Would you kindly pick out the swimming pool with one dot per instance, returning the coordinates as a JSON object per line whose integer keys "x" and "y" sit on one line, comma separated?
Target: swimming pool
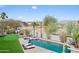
{"x": 50, "y": 45}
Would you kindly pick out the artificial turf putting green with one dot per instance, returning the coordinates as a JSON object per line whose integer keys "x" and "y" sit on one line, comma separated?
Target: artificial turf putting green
{"x": 10, "y": 44}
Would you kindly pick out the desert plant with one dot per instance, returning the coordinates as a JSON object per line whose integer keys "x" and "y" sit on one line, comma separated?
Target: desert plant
{"x": 50, "y": 25}
{"x": 75, "y": 35}
{"x": 27, "y": 32}
{"x": 69, "y": 27}
{"x": 76, "y": 39}
{"x": 12, "y": 31}
{"x": 63, "y": 35}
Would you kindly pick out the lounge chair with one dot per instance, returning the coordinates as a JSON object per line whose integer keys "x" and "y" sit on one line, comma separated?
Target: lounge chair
{"x": 28, "y": 46}
{"x": 26, "y": 38}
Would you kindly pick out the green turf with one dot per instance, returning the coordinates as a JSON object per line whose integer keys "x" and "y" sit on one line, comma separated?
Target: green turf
{"x": 10, "y": 44}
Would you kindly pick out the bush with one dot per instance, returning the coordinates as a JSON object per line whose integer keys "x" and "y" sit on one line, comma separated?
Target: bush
{"x": 11, "y": 32}
{"x": 27, "y": 32}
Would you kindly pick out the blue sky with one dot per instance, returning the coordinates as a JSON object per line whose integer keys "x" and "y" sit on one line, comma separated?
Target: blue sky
{"x": 38, "y": 12}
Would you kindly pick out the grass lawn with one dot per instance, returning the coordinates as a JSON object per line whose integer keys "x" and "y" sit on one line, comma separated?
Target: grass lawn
{"x": 10, "y": 44}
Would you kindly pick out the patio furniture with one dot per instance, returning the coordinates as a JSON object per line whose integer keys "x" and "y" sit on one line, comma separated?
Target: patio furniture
{"x": 28, "y": 46}
{"x": 26, "y": 38}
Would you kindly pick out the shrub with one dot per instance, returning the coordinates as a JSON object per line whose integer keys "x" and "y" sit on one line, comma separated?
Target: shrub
{"x": 27, "y": 32}
{"x": 11, "y": 32}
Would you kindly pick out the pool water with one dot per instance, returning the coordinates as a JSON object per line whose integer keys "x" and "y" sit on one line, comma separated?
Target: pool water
{"x": 50, "y": 45}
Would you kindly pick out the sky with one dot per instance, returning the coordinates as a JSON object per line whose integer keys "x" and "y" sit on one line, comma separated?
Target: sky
{"x": 38, "y": 12}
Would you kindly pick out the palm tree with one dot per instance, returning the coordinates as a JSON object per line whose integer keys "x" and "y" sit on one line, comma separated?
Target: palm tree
{"x": 41, "y": 24}
{"x": 34, "y": 24}
{"x": 3, "y": 16}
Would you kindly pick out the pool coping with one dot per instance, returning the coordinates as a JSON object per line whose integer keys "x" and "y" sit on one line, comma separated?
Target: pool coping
{"x": 70, "y": 47}
{"x": 36, "y": 48}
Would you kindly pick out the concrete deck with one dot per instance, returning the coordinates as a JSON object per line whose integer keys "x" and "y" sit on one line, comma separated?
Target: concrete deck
{"x": 37, "y": 49}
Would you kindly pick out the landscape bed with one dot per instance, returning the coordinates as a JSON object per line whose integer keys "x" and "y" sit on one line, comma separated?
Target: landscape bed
{"x": 10, "y": 44}
{"x": 50, "y": 45}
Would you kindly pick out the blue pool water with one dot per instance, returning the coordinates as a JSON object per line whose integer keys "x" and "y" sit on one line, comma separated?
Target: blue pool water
{"x": 50, "y": 45}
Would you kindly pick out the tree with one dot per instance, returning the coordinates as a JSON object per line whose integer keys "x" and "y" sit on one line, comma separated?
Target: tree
{"x": 34, "y": 24}
{"x": 3, "y": 16}
{"x": 27, "y": 32}
{"x": 41, "y": 24}
{"x": 51, "y": 29}
{"x": 49, "y": 19}
{"x": 12, "y": 23}
{"x": 75, "y": 35}
{"x": 63, "y": 35}
{"x": 69, "y": 27}
{"x": 50, "y": 24}
{"x": 76, "y": 39}
{"x": 63, "y": 38}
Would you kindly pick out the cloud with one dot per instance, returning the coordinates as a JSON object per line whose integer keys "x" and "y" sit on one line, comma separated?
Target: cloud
{"x": 19, "y": 17}
{"x": 34, "y": 7}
